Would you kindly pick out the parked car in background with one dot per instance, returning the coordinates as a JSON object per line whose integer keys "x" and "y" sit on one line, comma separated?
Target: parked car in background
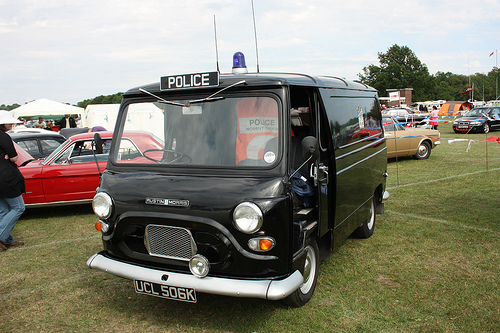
{"x": 24, "y": 129}
{"x": 70, "y": 174}
{"x": 38, "y": 144}
{"x": 408, "y": 141}
{"x": 483, "y": 120}
{"x": 405, "y": 115}
{"x": 396, "y": 112}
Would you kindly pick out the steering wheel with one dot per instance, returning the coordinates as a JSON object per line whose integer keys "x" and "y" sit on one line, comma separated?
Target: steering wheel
{"x": 177, "y": 156}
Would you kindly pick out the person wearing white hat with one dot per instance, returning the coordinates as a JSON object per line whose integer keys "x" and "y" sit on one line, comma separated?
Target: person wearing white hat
{"x": 11, "y": 184}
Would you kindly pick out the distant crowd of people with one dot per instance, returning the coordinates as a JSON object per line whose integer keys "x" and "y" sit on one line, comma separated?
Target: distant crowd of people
{"x": 66, "y": 122}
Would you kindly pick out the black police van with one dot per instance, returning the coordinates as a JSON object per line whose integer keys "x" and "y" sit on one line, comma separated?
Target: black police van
{"x": 237, "y": 184}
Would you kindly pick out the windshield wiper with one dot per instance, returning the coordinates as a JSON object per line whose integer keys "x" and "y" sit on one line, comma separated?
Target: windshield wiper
{"x": 206, "y": 99}
{"x": 212, "y": 98}
{"x": 161, "y": 99}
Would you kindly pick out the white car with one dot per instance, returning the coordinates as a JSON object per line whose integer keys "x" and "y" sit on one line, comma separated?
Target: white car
{"x": 396, "y": 112}
{"x": 24, "y": 129}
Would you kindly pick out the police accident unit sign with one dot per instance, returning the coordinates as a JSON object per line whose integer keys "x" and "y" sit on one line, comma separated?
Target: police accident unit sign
{"x": 196, "y": 80}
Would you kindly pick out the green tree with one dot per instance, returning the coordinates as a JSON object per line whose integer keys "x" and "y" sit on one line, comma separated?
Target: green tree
{"x": 489, "y": 84}
{"x": 9, "y": 107}
{"x": 449, "y": 86}
{"x": 399, "y": 68}
{"x": 109, "y": 99}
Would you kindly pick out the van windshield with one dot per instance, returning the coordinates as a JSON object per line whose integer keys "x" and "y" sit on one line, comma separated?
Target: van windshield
{"x": 229, "y": 132}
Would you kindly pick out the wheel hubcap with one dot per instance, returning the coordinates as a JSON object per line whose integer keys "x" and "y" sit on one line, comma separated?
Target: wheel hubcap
{"x": 422, "y": 150}
{"x": 309, "y": 270}
{"x": 372, "y": 217}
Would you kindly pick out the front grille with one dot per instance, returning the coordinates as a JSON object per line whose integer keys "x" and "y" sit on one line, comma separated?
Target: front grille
{"x": 169, "y": 242}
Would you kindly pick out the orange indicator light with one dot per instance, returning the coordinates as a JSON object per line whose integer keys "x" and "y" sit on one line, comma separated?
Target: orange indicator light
{"x": 265, "y": 244}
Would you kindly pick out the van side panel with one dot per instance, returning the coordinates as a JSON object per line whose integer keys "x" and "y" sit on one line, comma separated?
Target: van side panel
{"x": 355, "y": 125}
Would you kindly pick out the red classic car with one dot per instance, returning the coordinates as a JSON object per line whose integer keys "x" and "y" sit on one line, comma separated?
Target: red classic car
{"x": 70, "y": 174}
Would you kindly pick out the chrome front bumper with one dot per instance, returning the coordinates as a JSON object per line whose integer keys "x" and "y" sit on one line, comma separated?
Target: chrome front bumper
{"x": 266, "y": 289}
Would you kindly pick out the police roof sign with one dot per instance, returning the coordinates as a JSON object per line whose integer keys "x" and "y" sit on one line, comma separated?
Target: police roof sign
{"x": 195, "y": 80}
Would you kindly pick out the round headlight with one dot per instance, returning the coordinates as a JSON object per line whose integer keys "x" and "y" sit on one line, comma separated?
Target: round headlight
{"x": 102, "y": 205}
{"x": 199, "y": 265}
{"x": 247, "y": 217}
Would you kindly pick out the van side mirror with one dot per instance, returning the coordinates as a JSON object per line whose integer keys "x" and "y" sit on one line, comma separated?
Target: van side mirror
{"x": 310, "y": 148}
{"x": 98, "y": 143}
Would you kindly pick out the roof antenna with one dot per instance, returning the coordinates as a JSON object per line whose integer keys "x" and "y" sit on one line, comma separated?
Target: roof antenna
{"x": 255, "y": 34}
{"x": 216, "y": 50}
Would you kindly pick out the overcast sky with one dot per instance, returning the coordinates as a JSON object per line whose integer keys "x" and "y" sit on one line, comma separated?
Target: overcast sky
{"x": 71, "y": 50}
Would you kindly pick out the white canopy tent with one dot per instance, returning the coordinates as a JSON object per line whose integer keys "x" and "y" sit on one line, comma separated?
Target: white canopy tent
{"x": 44, "y": 108}
{"x": 141, "y": 117}
{"x": 100, "y": 115}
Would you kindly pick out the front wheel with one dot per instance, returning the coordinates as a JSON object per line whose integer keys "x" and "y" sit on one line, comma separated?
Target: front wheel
{"x": 423, "y": 151}
{"x": 310, "y": 274}
{"x": 486, "y": 128}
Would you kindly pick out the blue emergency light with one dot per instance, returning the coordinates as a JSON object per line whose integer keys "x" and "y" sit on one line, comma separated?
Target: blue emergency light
{"x": 239, "y": 65}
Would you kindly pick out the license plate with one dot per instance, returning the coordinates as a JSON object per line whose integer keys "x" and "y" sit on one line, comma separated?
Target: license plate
{"x": 164, "y": 291}
{"x": 463, "y": 126}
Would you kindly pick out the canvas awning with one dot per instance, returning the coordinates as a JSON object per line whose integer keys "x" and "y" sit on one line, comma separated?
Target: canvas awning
{"x": 45, "y": 107}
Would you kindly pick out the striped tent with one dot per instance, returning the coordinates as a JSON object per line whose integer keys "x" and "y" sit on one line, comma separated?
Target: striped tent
{"x": 453, "y": 108}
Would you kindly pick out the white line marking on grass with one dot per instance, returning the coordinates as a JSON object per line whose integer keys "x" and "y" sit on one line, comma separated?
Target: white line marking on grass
{"x": 64, "y": 241}
{"x": 409, "y": 215}
{"x": 441, "y": 179}
{"x": 47, "y": 286}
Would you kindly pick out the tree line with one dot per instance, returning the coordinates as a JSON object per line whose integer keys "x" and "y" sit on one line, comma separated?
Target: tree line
{"x": 108, "y": 99}
{"x": 400, "y": 68}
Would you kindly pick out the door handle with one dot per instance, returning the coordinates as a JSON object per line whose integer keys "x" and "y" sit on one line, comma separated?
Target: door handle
{"x": 324, "y": 169}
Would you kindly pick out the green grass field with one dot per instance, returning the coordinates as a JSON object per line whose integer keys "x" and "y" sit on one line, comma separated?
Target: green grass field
{"x": 433, "y": 265}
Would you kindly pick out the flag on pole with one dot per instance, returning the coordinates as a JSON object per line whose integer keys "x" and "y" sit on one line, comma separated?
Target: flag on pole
{"x": 471, "y": 88}
{"x": 491, "y": 53}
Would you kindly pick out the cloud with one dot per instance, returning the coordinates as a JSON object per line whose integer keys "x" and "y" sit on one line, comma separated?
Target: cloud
{"x": 74, "y": 50}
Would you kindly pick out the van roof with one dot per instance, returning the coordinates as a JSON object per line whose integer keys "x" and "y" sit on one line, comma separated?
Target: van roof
{"x": 271, "y": 79}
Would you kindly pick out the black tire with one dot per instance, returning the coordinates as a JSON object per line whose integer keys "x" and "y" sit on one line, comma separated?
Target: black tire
{"x": 366, "y": 229}
{"x": 310, "y": 273}
{"x": 423, "y": 151}
{"x": 486, "y": 127}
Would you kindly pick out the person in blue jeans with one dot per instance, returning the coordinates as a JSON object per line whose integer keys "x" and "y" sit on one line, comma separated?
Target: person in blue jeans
{"x": 11, "y": 184}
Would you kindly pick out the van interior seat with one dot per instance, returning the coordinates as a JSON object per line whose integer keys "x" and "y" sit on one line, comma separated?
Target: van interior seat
{"x": 299, "y": 133}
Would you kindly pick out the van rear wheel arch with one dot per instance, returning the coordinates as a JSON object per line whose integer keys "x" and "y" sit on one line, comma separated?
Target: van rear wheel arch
{"x": 366, "y": 229}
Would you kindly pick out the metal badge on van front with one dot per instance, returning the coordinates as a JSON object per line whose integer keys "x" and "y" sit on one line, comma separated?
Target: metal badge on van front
{"x": 167, "y": 202}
